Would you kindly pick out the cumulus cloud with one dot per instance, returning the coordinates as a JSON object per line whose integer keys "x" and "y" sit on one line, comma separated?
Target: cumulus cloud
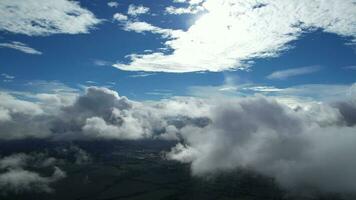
{"x": 43, "y": 17}
{"x": 232, "y": 32}
{"x": 135, "y": 10}
{"x": 20, "y": 47}
{"x": 15, "y": 178}
{"x": 120, "y": 17}
{"x": 284, "y": 74}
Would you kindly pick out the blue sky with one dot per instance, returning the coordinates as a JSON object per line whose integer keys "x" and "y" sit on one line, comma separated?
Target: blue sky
{"x": 82, "y": 59}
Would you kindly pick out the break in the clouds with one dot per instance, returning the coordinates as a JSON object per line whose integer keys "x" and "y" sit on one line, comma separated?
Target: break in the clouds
{"x": 45, "y": 17}
{"x": 20, "y": 47}
{"x": 231, "y": 32}
{"x": 307, "y": 145}
{"x": 284, "y": 74}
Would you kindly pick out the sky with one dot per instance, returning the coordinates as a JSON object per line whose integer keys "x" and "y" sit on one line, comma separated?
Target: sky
{"x": 268, "y": 85}
{"x": 156, "y": 49}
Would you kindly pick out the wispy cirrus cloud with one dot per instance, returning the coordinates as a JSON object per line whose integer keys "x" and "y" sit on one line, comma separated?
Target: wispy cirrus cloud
{"x": 350, "y": 67}
{"x": 284, "y": 74}
{"x": 232, "y": 32}
{"x": 7, "y": 76}
{"x": 44, "y": 17}
{"x": 20, "y": 47}
{"x": 141, "y": 74}
{"x": 99, "y": 62}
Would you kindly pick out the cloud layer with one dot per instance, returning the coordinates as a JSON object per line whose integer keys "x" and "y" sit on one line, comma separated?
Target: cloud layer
{"x": 306, "y": 145}
{"x": 231, "y": 32}
{"x": 45, "y": 17}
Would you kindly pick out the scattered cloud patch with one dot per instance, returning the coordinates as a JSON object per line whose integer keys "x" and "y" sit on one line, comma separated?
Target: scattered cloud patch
{"x": 136, "y": 10}
{"x": 7, "y": 76}
{"x": 183, "y": 10}
{"x": 284, "y": 74}
{"x": 20, "y": 47}
{"x": 191, "y": 2}
{"x": 45, "y": 17}
{"x": 120, "y": 17}
{"x": 142, "y": 27}
{"x": 113, "y": 4}
{"x": 16, "y": 178}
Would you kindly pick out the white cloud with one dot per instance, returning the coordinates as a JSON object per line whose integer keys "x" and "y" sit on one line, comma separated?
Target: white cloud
{"x": 301, "y": 148}
{"x": 284, "y": 74}
{"x": 232, "y": 32}
{"x": 20, "y": 46}
{"x": 135, "y": 10}
{"x": 45, "y": 17}
{"x": 113, "y": 4}
{"x": 120, "y": 17}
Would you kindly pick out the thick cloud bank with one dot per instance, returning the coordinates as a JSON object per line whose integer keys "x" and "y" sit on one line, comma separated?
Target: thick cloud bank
{"x": 301, "y": 149}
{"x": 307, "y": 145}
